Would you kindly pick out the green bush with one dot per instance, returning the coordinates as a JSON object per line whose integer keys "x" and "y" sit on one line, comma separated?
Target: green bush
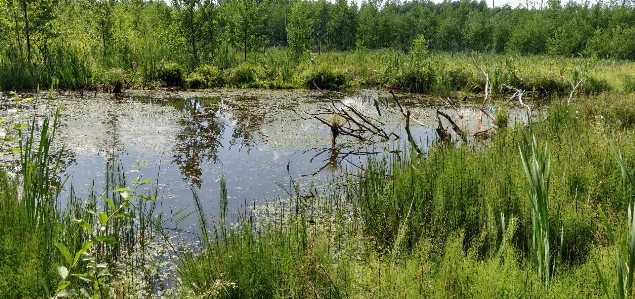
{"x": 594, "y": 86}
{"x": 456, "y": 80}
{"x": 213, "y": 76}
{"x": 241, "y": 75}
{"x": 171, "y": 75}
{"x": 196, "y": 80}
{"x": 628, "y": 83}
{"x": 325, "y": 78}
{"x": 416, "y": 79}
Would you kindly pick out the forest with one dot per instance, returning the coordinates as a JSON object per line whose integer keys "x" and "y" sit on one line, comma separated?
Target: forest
{"x": 87, "y": 43}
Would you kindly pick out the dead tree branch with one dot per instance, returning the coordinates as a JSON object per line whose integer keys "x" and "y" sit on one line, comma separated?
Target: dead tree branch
{"x": 449, "y": 102}
{"x": 573, "y": 88}
{"x": 455, "y": 127}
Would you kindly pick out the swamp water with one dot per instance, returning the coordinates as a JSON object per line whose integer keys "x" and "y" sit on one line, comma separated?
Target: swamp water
{"x": 259, "y": 140}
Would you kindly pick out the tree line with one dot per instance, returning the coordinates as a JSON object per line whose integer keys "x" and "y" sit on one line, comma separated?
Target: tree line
{"x": 132, "y": 34}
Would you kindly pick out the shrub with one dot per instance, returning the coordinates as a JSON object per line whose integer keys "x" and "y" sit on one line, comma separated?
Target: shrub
{"x": 594, "y": 86}
{"x": 196, "y": 80}
{"x": 243, "y": 74}
{"x": 416, "y": 79}
{"x": 628, "y": 83}
{"x": 171, "y": 75}
{"x": 456, "y": 80}
{"x": 325, "y": 78}
{"x": 625, "y": 113}
{"x": 213, "y": 76}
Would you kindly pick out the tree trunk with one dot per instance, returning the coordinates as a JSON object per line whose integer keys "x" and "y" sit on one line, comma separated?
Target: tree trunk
{"x": 103, "y": 36}
{"x": 245, "y": 45}
{"x": 193, "y": 37}
{"x": 17, "y": 34}
{"x": 26, "y": 31}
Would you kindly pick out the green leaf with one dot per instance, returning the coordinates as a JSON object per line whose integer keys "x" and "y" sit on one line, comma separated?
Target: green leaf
{"x": 79, "y": 253}
{"x": 13, "y": 150}
{"x": 86, "y": 226}
{"x": 103, "y": 218}
{"x": 123, "y": 214}
{"x": 110, "y": 240}
{"x": 125, "y": 195}
{"x": 64, "y": 251}
{"x": 602, "y": 281}
{"x": 27, "y": 100}
{"x": 148, "y": 197}
{"x": 19, "y": 127}
{"x": 63, "y": 271}
{"x": 606, "y": 223}
{"x": 85, "y": 277}
{"x": 122, "y": 189}
{"x": 63, "y": 284}
{"x": 109, "y": 202}
{"x": 10, "y": 139}
{"x": 145, "y": 182}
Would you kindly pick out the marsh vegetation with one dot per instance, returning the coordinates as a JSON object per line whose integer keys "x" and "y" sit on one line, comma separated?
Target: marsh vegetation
{"x": 162, "y": 163}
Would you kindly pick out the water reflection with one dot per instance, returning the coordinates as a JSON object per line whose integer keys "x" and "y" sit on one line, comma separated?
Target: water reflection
{"x": 257, "y": 140}
{"x": 199, "y": 139}
{"x": 248, "y": 120}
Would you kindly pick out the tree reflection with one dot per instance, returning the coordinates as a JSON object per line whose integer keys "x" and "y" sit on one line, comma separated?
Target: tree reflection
{"x": 249, "y": 117}
{"x": 200, "y": 137}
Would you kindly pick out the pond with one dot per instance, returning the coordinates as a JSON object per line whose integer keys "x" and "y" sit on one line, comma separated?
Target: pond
{"x": 259, "y": 140}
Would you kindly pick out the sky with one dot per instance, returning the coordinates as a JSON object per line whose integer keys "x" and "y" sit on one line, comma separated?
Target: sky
{"x": 524, "y": 3}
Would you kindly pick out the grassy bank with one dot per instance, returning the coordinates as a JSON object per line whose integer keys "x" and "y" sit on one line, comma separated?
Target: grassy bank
{"x": 425, "y": 72}
{"x": 51, "y": 247}
{"x": 456, "y": 223}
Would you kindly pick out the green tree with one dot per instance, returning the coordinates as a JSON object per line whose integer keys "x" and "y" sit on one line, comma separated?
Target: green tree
{"x": 343, "y": 25}
{"x": 320, "y": 16}
{"x": 188, "y": 12}
{"x": 36, "y": 17}
{"x": 300, "y": 28}
{"x": 478, "y": 31}
{"x": 368, "y": 26}
{"x": 246, "y": 22}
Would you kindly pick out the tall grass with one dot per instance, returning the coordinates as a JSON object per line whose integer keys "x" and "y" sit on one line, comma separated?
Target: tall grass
{"x": 430, "y": 226}
{"x": 37, "y": 224}
{"x": 537, "y": 169}
{"x": 435, "y": 72}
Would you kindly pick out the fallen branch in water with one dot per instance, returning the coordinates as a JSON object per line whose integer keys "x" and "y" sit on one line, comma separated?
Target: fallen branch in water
{"x": 455, "y": 127}
{"x": 355, "y": 123}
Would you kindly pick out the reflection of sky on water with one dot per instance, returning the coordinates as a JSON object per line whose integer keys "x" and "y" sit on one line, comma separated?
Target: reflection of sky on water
{"x": 258, "y": 140}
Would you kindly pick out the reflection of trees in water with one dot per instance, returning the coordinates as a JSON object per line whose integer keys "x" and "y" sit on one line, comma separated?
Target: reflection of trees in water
{"x": 199, "y": 139}
{"x": 249, "y": 116}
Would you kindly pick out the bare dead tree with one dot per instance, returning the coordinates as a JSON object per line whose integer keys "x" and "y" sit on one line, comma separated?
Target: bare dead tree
{"x": 573, "y": 88}
{"x": 353, "y": 122}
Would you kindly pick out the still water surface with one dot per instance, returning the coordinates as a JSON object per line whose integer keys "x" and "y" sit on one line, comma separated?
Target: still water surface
{"x": 258, "y": 140}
